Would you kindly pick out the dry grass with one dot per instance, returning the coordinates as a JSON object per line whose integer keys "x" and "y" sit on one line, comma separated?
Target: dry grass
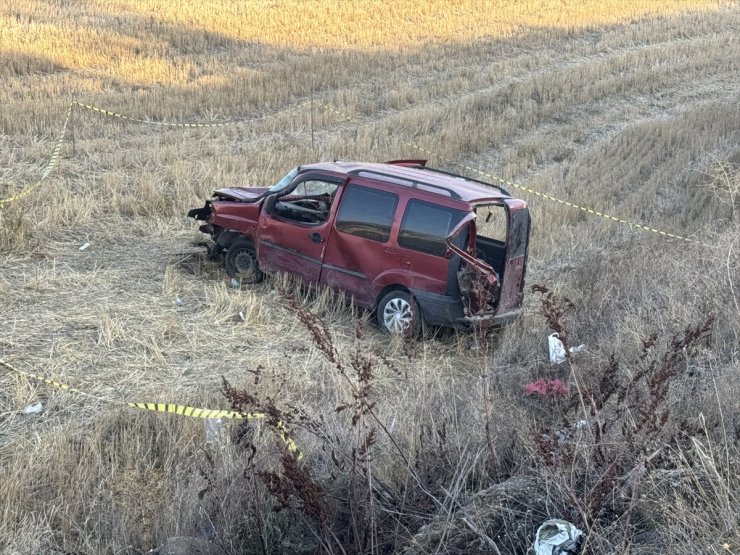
{"x": 631, "y": 108}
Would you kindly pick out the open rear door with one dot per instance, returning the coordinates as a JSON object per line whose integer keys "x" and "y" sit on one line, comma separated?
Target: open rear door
{"x": 515, "y": 264}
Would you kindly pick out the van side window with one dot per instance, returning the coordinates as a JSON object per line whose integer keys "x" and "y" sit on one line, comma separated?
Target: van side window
{"x": 425, "y": 227}
{"x": 367, "y": 213}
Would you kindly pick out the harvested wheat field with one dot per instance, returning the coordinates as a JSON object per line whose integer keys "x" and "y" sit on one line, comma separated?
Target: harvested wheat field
{"x": 456, "y": 444}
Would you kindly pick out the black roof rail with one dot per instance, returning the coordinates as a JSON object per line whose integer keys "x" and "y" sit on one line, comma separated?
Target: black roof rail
{"x": 412, "y": 162}
{"x": 413, "y": 182}
{"x": 452, "y": 174}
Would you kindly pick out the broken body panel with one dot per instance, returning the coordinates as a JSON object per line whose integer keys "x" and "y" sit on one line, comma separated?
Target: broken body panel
{"x": 367, "y": 229}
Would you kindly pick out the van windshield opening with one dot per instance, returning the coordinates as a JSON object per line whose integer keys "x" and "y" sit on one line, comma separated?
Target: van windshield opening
{"x": 285, "y": 181}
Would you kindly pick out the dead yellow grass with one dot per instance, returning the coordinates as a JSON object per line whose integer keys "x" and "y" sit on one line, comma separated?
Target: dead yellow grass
{"x": 148, "y": 43}
{"x": 376, "y": 24}
{"x": 628, "y": 107}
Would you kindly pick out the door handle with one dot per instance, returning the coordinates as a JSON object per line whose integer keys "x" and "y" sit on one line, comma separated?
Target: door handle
{"x": 316, "y": 238}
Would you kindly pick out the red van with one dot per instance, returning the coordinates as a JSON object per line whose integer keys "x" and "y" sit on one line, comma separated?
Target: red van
{"x": 415, "y": 244}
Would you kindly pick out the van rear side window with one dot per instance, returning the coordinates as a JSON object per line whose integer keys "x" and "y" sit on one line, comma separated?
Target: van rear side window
{"x": 367, "y": 213}
{"x": 425, "y": 227}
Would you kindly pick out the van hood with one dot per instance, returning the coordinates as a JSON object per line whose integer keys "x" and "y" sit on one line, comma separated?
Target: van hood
{"x": 241, "y": 194}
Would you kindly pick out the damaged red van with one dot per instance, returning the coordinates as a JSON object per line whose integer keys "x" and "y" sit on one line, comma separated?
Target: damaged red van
{"x": 419, "y": 246}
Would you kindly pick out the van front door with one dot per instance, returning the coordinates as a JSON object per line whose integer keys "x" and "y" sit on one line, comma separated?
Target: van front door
{"x": 295, "y": 227}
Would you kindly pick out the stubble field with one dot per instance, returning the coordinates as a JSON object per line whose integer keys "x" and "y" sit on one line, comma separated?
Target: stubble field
{"x": 629, "y": 108}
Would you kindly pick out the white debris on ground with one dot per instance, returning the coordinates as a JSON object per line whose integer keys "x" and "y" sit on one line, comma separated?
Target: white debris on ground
{"x": 84, "y": 246}
{"x": 557, "y": 349}
{"x": 556, "y": 537}
{"x": 34, "y": 408}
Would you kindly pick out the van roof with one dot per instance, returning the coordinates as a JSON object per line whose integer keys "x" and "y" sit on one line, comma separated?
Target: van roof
{"x": 431, "y": 180}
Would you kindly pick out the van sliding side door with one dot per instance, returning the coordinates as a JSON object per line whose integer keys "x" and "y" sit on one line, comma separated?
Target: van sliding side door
{"x": 360, "y": 252}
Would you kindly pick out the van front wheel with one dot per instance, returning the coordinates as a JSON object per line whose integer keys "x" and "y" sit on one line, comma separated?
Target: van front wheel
{"x": 398, "y": 313}
{"x": 241, "y": 262}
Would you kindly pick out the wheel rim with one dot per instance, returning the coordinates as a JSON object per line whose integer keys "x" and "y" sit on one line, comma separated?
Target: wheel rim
{"x": 244, "y": 264}
{"x": 397, "y": 315}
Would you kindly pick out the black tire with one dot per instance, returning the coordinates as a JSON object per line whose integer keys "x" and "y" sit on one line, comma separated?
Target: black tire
{"x": 241, "y": 262}
{"x": 398, "y": 314}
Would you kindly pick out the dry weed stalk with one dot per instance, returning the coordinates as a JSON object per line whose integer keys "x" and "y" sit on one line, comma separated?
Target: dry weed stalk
{"x": 362, "y": 493}
{"x": 368, "y": 497}
{"x": 624, "y": 435}
{"x": 724, "y": 185}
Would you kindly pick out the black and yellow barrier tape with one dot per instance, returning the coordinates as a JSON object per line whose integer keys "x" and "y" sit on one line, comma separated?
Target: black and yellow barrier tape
{"x": 50, "y": 165}
{"x": 169, "y": 408}
{"x": 60, "y": 139}
{"x": 540, "y": 194}
{"x": 641, "y": 227}
{"x": 112, "y": 114}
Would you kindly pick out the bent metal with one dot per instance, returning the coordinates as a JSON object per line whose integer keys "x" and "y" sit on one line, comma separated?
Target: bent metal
{"x": 417, "y": 245}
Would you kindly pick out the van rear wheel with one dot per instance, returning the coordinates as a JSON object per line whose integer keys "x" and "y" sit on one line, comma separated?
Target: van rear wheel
{"x": 241, "y": 262}
{"x": 398, "y": 314}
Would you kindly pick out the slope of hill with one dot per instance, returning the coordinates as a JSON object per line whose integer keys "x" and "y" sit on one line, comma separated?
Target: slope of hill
{"x": 630, "y": 110}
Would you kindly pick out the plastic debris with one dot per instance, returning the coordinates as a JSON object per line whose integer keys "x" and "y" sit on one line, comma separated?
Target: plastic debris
{"x": 214, "y": 431}
{"x": 563, "y": 435}
{"x": 556, "y": 537}
{"x": 241, "y": 315}
{"x": 557, "y": 349}
{"x": 84, "y": 246}
{"x": 235, "y": 283}
{"x": 178, "y": 301}
{"x": 34, "y": 408}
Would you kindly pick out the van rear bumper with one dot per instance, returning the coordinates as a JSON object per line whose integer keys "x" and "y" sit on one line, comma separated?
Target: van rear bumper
{"x": 439, "y": 310}
{"x": 492, "y": 319}
{"x": 506, "y": 317}
{"x": 445, "y": 310}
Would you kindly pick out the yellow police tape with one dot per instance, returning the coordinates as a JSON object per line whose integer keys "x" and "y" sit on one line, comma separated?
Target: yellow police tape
{"x": 176, "y": 124}
{"x": 60, "y": 139}
{"x": 181, "y": 410}
{"x": 635, "y": 225}
{"x": 50, "y": 165}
